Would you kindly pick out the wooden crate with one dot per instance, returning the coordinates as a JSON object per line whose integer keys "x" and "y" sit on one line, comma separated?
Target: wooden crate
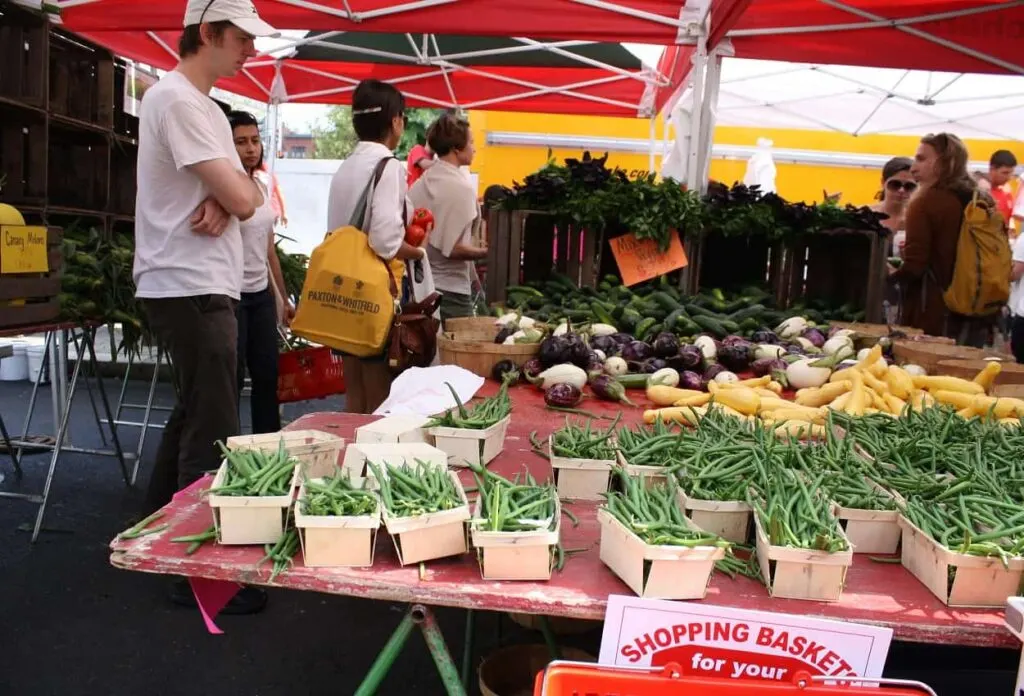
{"x": 78, "y": 172}
{"x": 245, "y": 520}
{"x": 23, "y": 144}
{"x": 838, "y": 267}
{"x": 336, "y": 542}
{"x": 125, "y": 124}
{"x": 31, "y": 298}
{"x": 515, "y": 555}
{"x": 736, "y": 263}
{"x": 801, "y": 573}
{"x": 81, "y": 80}
{"x": 675, "y": 572}
{"x": 123, "y": 157}
{"x": 24, "y": 44}
{"x": 526, "y": 245}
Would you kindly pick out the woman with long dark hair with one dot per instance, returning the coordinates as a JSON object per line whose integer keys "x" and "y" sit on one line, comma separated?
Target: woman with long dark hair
{"x": 933, "y": 221}
{"x": 262, "y": 285}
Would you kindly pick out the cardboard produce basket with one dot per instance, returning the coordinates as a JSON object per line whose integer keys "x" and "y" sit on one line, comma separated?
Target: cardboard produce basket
{"x": 515, "y": 555}
{"x": 651, "y": 474}
{"x": 243, "y": 520}
{"x": 404, "y": 429}
{"x": 802, "y": 573}
{"x": 957, "y": 579}
{"x": 659, "y": 572}
{"x": 580, "y": 479}
{"x": 872, "y": 531}
{"x": 357, "y": 454}
{"x": 336, "y": 542}
{"x": 466, "y": 447}
{"x": 725, "y": 518}
{"x": 315, "y": 450}
{"x": 434, "y": 535}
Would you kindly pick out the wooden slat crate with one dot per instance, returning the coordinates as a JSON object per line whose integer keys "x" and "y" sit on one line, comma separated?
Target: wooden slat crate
{"x": 736, "y": 262}
{"x": 35, "y": 293}
{"x": 123, "y": 157}
{"x": 81, "y": 80}
{"x": 838, "y": 267}
{"x": 23, "y": 144}
{"x": 23, "y": 54}
{"x": 79, "y": 170}
{"x": 527, "y": 245}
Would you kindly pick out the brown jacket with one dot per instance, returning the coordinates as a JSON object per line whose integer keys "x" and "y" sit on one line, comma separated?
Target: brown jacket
{"x": 933, "y": 226}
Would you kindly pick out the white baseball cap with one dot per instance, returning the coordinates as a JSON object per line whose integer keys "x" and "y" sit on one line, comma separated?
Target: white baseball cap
{"x": 241, "y": 13}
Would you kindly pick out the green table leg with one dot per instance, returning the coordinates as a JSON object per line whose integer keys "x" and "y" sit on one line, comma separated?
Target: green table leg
{"x": 421, "y": 616}
{"x": 549, "y": 638}
{"x": 467, "y": 651}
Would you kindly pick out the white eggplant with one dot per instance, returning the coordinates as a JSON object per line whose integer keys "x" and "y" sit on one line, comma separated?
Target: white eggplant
{"x": 666, "y": 376}
{"x": 602, "y": 330}
{"x": 792, "y": 327}
{"x": 843, "y": 332}
{"x": 526, "y": 323}
{"x": 565, "y": 373}
{"x": 863, "y": 353}
{"x": 915, "y": 370}
{"x": 807, "y": 345}
{"x": 726, "y": 376}
{"x": 837, "y": 345}
{"x": 615, "y": 366}
{"x": 600, "y": 355}
{"x": 804, "y": 374}
{"x": 507, "y": 321}
{"x": 561, "y": 329}
{"x": 707, "y": 346}
{"x": 767, "y": 351}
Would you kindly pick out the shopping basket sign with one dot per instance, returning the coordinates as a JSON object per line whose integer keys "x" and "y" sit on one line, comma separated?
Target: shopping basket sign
{"x": 738, "y": 644}
{"x": 585, "y": 679}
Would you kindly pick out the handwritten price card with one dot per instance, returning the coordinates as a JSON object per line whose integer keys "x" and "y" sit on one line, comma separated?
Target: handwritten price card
{"x": 23, "y": 249}
{"x": 641, "y": 259}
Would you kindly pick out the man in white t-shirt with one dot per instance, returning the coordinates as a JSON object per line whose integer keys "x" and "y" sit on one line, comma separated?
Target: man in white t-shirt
{"x": 192, "y": 192}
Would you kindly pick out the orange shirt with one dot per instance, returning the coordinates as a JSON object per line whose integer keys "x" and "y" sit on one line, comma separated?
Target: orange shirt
{"x": 1004, "y": 201}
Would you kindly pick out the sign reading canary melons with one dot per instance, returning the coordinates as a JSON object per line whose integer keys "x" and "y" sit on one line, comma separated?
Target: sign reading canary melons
{"x": 23, "y": 249}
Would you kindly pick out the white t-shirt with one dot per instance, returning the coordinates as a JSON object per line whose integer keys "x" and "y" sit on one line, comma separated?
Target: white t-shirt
{"x": 180, "y": 126}
{"x": 387, "y": 221}
{"x": 1017, "y": 290}
{"x": 256, "y": 233}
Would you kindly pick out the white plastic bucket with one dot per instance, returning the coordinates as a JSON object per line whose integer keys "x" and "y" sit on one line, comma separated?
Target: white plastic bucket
{"x": 35, "y": 364}
{"x": 15, "y": 367}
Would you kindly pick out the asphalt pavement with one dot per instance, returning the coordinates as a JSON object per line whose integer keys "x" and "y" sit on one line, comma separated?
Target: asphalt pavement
{"x": 71, "y": 624}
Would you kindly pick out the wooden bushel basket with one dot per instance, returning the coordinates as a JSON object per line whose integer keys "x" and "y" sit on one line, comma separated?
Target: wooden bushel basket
{"x": 480, "y": 356}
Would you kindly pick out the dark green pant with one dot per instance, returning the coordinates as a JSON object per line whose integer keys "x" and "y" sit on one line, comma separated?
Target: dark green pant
{"x": 455, "y": 305}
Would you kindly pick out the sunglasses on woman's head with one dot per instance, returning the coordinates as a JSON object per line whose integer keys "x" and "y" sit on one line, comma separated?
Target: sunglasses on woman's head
{"x": 895, "y": 185}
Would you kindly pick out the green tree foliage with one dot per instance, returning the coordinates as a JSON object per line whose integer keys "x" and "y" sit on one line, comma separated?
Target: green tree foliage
{"x": 335, "y": 137}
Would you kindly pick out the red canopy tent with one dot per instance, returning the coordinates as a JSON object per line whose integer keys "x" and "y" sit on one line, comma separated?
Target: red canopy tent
{"x": 148, "y": 32}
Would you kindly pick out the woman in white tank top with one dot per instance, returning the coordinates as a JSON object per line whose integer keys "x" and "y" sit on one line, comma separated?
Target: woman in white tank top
{"x": 260, "y": 308}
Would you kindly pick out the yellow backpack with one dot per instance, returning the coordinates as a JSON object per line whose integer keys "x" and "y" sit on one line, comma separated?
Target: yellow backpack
{"x": 981, "y": 274}
{"x": 350, "y": 295}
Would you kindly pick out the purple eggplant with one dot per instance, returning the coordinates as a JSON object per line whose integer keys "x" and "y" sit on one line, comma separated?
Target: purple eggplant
{"x": 622, "y": 338}
{"x": 579, "y": 351}
{"x": 765, "y": 336}
{"x": 555, "y": 350}
{"x": 654, "y": 364}
{"x": 607, "y": 388}
{"x": 691, "y": 358}
{"x": 503, "y": 334}
{"x": 636, "y": 351}
{"x": 501, "y": 369}
{"x": 563, "y": 396}
{"x": 690, "y": 380}
{"x": 533, "y": 367}
{"x": 711, "y": 370}
{"x": 605, "y": 344}
{"x": 665, "y": 345}
{"x": 736, "y": 357}
{"x": 594, "y": 363}
{"x": 767, "y": 366}
{"x": 815, "y": 336}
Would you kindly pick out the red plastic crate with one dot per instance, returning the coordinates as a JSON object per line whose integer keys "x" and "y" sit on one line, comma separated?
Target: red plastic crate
{"x": 309, "y": 373}
{"x": 586, "y": 679}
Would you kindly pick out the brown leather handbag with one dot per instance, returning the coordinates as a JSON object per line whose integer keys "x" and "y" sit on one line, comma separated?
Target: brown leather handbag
{"x": 413, "y": 339}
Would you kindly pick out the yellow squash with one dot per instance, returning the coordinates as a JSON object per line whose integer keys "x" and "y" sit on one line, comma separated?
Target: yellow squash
{"x": 937, "y": 383}
{"x": 987, "y": 376}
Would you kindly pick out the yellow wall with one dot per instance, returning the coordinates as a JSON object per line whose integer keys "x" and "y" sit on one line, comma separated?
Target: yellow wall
{"x": 501, "y": 164}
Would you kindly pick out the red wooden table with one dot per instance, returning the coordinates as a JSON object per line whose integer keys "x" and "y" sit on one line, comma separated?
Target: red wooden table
{"x": 875, "y": 593}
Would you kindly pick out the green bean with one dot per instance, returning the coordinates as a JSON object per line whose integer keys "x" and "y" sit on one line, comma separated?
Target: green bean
{"x": 254, "y": 473}
{"x": 583, "y": 442}
{"x": 486, "y": 413}
{"x": 408, "y": 492}
{"x": 508, "y": 506}
{"x": 136, "y": 530}
{"x": 336, "y": 496}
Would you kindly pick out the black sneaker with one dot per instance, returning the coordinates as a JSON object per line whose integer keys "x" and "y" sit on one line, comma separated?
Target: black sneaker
{"x": 249, "y": 600}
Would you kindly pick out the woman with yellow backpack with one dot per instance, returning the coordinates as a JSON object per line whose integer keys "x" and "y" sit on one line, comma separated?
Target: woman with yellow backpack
{"x": 956, "y": 261}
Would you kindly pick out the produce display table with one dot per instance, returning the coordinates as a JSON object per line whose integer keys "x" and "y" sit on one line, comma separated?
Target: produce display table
{"x": 876, "y": 593}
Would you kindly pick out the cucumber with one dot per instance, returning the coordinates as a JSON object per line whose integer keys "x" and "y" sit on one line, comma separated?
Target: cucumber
{"x": 687, "y": 327}
{"x": 730, "y": 326}
{"x": 672, "y": 320}
{"x": 602, "y": 315}
{"x": 644, "y": 326}
{"x": 629, "y": 319}
{"x": 633, "y": 381}
{"x": 749, "y": 324}
{"x": 747, "y": 312}
{"x": 710, "y": 325}
{"x": 523, "y": 290}
{"x": 665, "y": 301}
{"x": 696, "y": 310}
{"x": 651, "y": 332}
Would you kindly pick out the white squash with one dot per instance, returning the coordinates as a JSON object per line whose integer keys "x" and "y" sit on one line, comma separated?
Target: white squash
{"x": 707, "y": 346}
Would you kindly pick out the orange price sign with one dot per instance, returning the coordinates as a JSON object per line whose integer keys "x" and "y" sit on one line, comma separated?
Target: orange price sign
{"x": 641, "y": 259}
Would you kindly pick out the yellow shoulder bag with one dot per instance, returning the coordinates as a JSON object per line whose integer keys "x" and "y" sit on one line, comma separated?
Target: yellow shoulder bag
{"x": 351, "y": 295}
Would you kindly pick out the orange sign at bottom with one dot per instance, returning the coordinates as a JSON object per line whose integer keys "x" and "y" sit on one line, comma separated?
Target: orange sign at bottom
{"x": 641, "y": 259}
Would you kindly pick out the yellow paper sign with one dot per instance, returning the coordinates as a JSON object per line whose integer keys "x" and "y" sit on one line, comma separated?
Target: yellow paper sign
{"x": 23, "y": 249}
{"x": 641, "y": 259}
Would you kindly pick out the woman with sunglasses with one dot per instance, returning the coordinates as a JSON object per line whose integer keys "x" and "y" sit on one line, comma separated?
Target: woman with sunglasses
{"x": 897, "y": 186}
{"x": 933, "y": 223}
{"x": 262, "y": 285}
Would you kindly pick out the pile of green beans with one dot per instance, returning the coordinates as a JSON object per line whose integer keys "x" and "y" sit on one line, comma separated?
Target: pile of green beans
{"x": 653, "y": 513}
{"x": 584, "y": 442}
{"x": 847, "y": 481}
{"x": 281, "y": 553}
{"x": 409, "y": 492}
{"x": 514, "y": 506}
{"x": 483, "y": 415}
{"x": 796, "y": 514}
{"x": 660, "y": 444}
{"x": 335, "y": 496}
{"x": 255, "y": 473}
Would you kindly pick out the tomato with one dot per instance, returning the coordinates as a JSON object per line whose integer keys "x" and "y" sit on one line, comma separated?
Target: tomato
{"x": 415, "y": 234}
{"x": 424, "y": 218}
